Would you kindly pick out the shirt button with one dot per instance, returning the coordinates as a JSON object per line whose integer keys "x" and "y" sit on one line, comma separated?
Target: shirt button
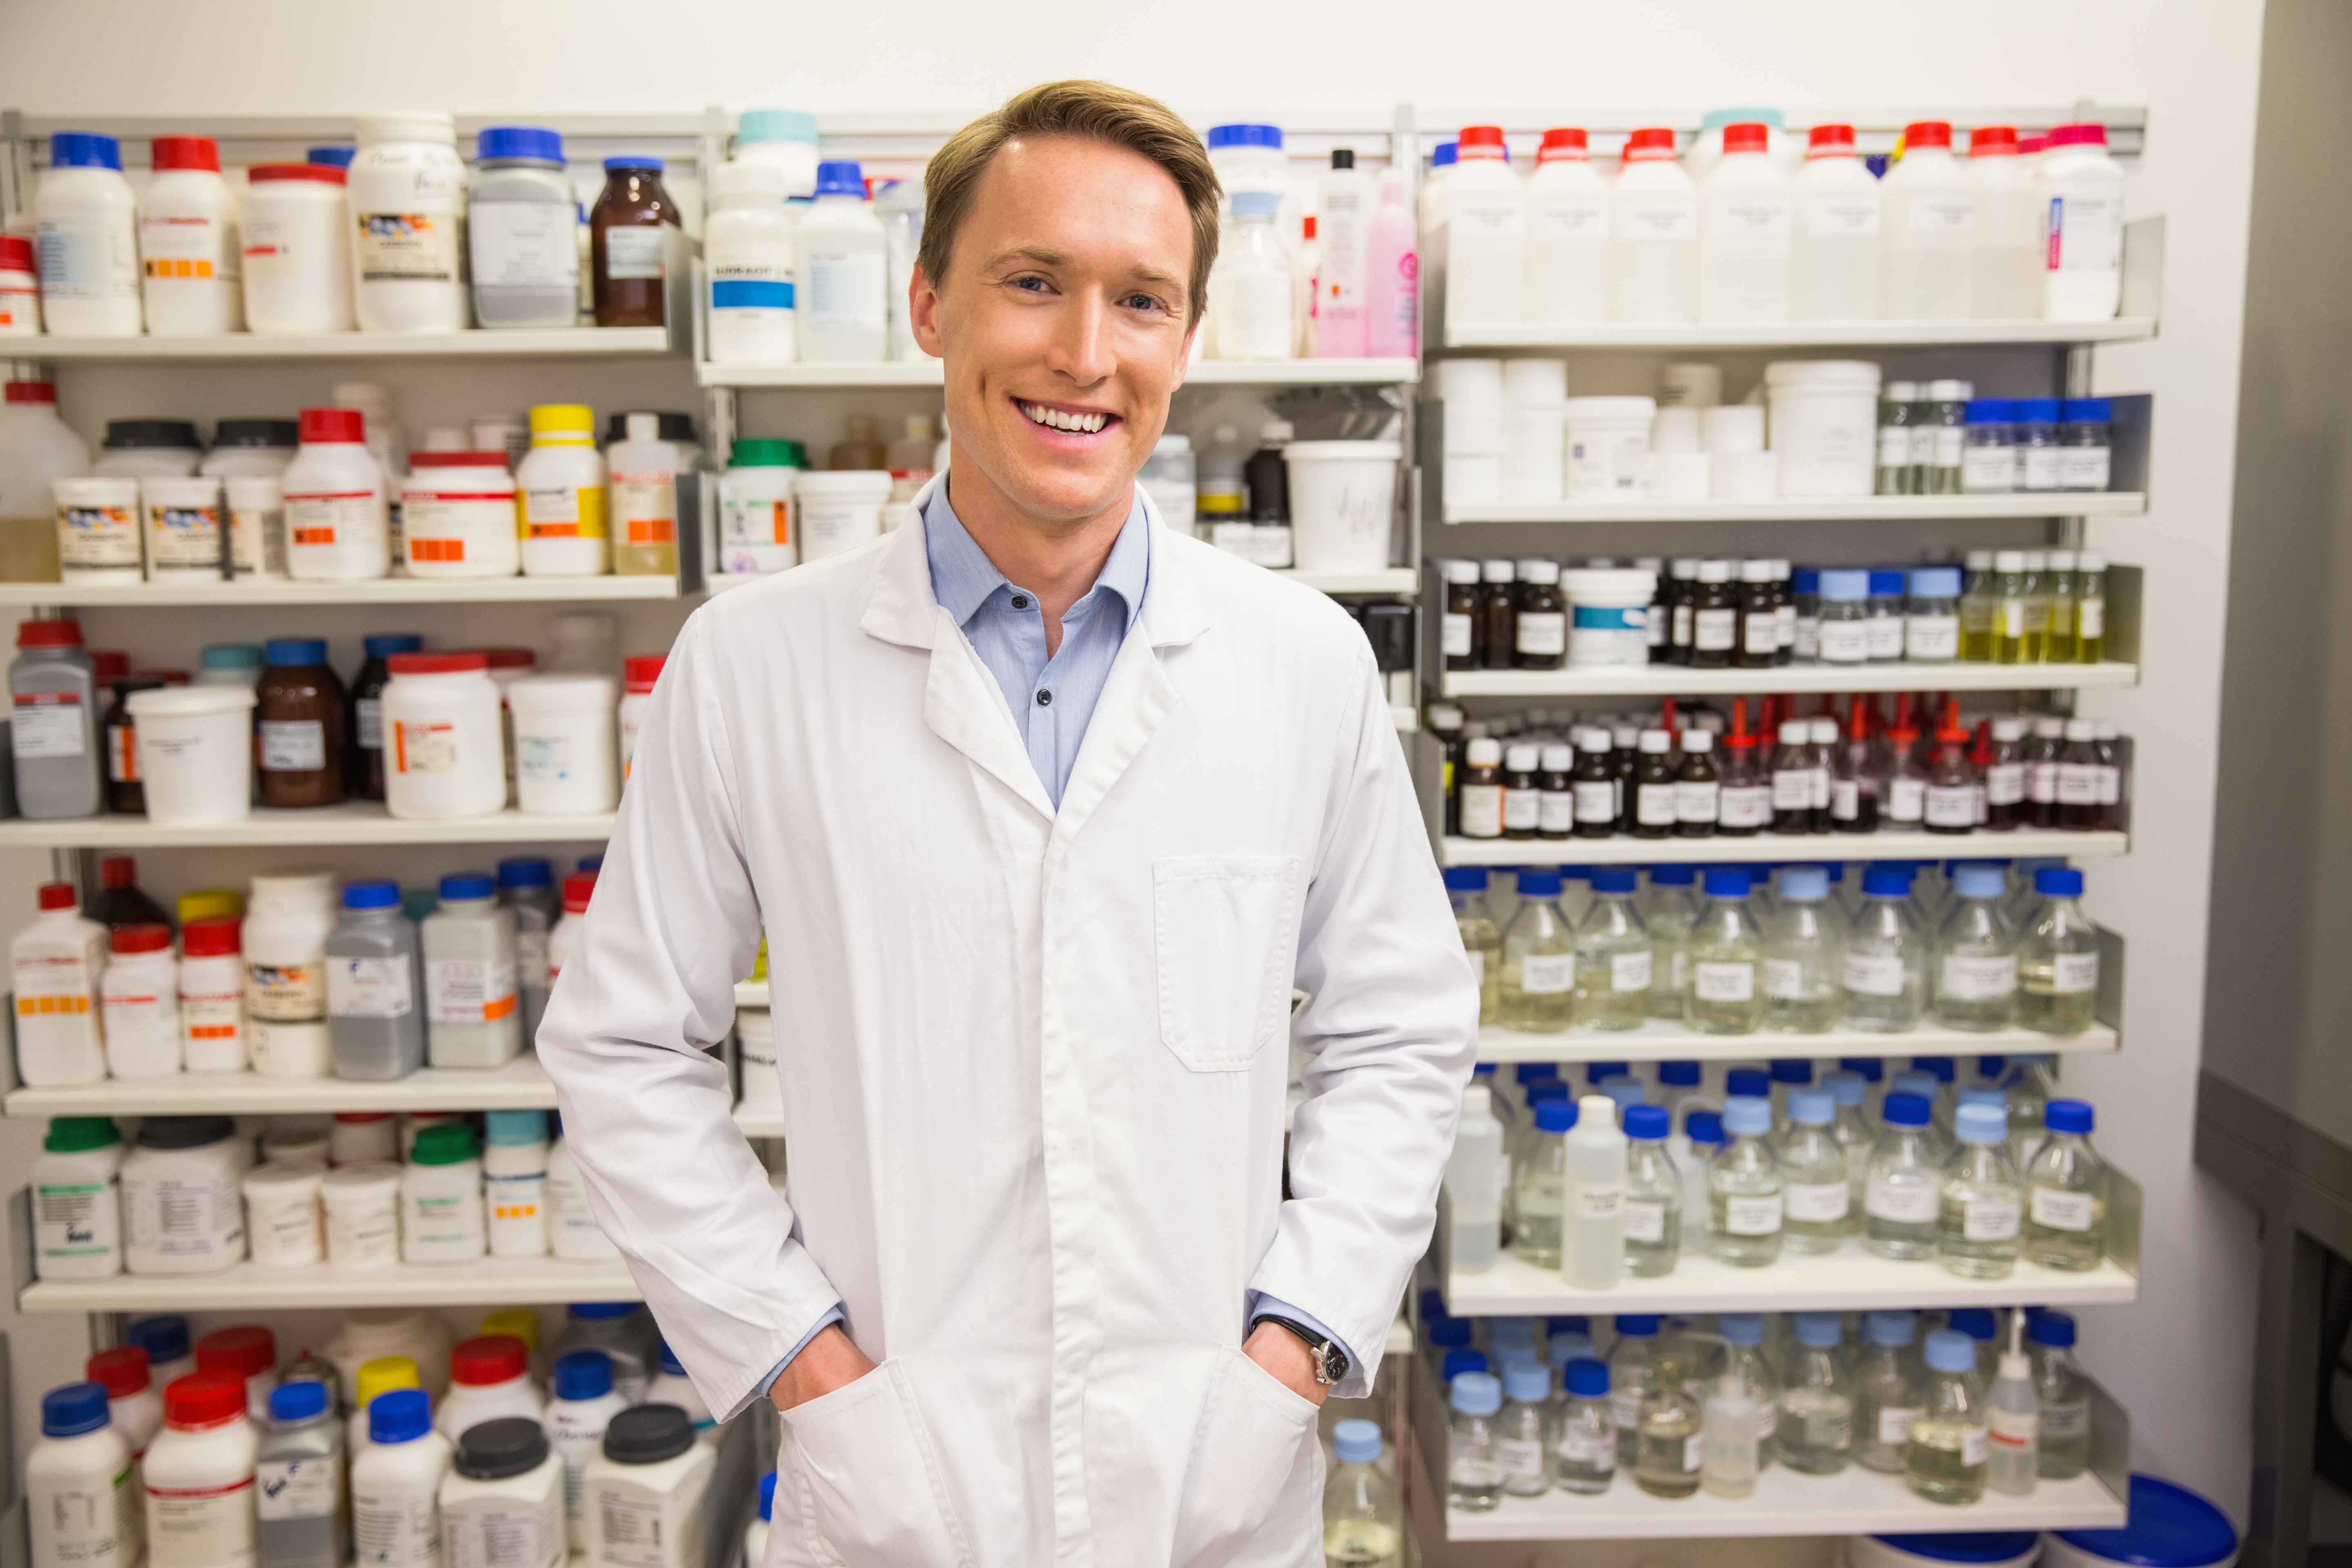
{"x": 1045, "y": 699}
{"x": 1020, "y": 601}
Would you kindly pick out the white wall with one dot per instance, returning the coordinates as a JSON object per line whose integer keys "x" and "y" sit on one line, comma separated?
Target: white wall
{"x": 2180, "y": 1360}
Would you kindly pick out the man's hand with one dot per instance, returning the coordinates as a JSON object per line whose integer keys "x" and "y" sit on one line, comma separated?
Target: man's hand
{"x": 832, "y": 1360}
{"x": 1277, "y": 1349}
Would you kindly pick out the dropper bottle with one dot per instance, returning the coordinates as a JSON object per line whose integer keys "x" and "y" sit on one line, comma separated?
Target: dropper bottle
{"x": 2013, "y": 1418}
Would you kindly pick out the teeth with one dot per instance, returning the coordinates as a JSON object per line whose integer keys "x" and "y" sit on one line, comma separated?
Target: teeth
{"x": 1055, "y": 419}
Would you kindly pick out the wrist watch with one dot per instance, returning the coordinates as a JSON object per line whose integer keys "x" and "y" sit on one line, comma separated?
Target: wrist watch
{"x": 1331, "y": 1362}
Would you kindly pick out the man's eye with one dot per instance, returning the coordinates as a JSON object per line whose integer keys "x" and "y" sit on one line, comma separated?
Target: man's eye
{"x": 1142, "y": 302}
{"x": 1031, "y": 284}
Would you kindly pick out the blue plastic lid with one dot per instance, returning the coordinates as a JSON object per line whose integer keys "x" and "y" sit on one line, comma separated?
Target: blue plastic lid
{"x": 1885, "y": 1327}
{"x": 514, "y": 1129}
{"x": 1447, "y": 153}
{"x": 1555, "y": 1115}
{"x": 2168, "y": 1526}
{"x": 1812, "y": 1108}
{"x": 1913, "y": 1080}
{"x": 840, "y": 177}
{"x": 1844, "y": 585}
{"x": 290, "y": 653}
{"x": 1990, "y": 1067}
{"x": 1990, "y": 411}
{"x": 468, "y": 885}
{"x": 1904, "y": 1111}
{"x": 371, "y": 895}
{"x": 1804, "y": 884}
{"x": 1614, "y": 879}
{"x": 525, "y": 872}
{"x": 1466, "y": 879}
{"x": 2090, "y": 410}
{"x": 2073, "y": 1116}
{"x": 2055, "y": 1329}
{"x": 1984, "y": 1094}
{"x": 1483, "y": 1070}
{"x": 1791, "y": 1071}
{"x": 584, "y": 1375}
{"x": 1681, "y": 876}
{"x": 1477, "y": 1394}
{"x": 602, "y": 1311}
{"x": 593, "y": 862}
{"x": 399, "y": 1416}
{"x": 1749, "y": 1081}
{"x": 1528, "y": 1382}
{"x": 1934, "y": 582}
{"x": 1704, "y": 1126}
{"x": 1805, "y": 580}
{"x": 1980, "y": 882}
{"x": 297, "y": 1401}
{"x": 1356, "y": 1442}
{"x": 1576, "y": 873}
{"x": 1539, "y": 884}
{"x": 1626, "y": 1091}
{"x": 390, "y": 643}
{"x": 519, "y": 142}
{"x": 72, "y": 1410}
{"x": 84, "y": 150}
{"x": 1976, "y": 1322}
{"x": 1564, "y": 1347}
{"x": 1567, "y": 1324}
{"x": 1942, "y": 1067}
{"x": 1886, "y": 582}
{"x": 775, "y": 125}
{"x": 2060, "y": 882}
{"x": 1637, "y": 1325}
{"x": 670, "y": 1362}
{"x": 1504, "y": 1332}
{"x": 1974, "y": 1546}
{"x": 634, "y": 160}
{"x": 1844, "y": 1087}
{"x": 1886, "y": 882}
{"x": 332, "y": 157}
{"x": 1870, "y": 1069}
{"x": 165, "y": 1338}
{"x": 1598, "y": 1073}
{"x": 1463, "y": 1359}
{"x": 1646, "y": 1121}
{"x": 1256, "y": 204}
{"x": 1245, "y": 136}
{"x": 1536, "y": 1072}
{"x": 1678, "y": 1075}
{"x": 1588, "y": 1378}
{"x": 1448, "y": 1333}
{"x": 2037, "y": 410}
{"x": 1821, "y": 1331}
{"x": 1746, "y": 1328}
{"x": 1727, "y": 882}
{"x": 1545, "y": 1089}
{"x": 231, "y": 656}
{"x": 768, "y": 1493}
{"x": 1747, "y": 1116}
{"x": 1949, "y": 1350}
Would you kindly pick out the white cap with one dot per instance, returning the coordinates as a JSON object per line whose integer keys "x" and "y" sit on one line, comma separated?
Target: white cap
{"x": 1697, "y": 740}
{"x": 1756, "y": 571}
{"x": 1278, "y": 430}
{"x": 1979, "y": 560}
{"x": 2049, "y": 727}
{"x": 1460, "y": 571}
{"x": 2010, "y": 561}
{"x": 1624, "y": 734}
{"x": 1593, "y": 739}
{"x": 1540, "y": 572}
{"x": 2061, "y": 561}
{"x": 2109, "y": 729}
{"x": 1444, "y": 716}
{"x": 1824, "y": 731}
{"x": 1649, "y": 563}
{"x": 1478, "y": 1100}
{"x": 1795, "y": 732}
{"x": 1950, "y": 391}
{"x": 748, "y": 183}
{"x": 1600, "y": 563}
{"x": 2009, "y": 729}
{"x": 2037, "y": 561}
{"x": 1684, "y": 568}
{"x": 1715, "y": 571}
{"x": 1486, "y": 753}
{"x": 1522, "y": 759}
{"x": 1657, "y": 740}
{"x": 1495, "y": 571}
{"x": 1901, "y": 392}
{"x": 1558, "y": 759}
{"x": 1781, "y": 566}
{"x": 2082, "y": 729}
{"x": 2092, "y": 560}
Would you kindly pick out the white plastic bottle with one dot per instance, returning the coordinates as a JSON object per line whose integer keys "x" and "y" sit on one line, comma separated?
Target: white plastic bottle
{"x": 1349, "y": 199}
{"x": 670, "y": 1385}
{"x": 408, "y": 210}
{"x": 1744, "y": 231}
{"x": 502, "y": 1505}
{"x": 755, "y": 1533}
{"x": 20, "y": 288}
{"x": 290, "y": 916}
{"x": 338, "y": 521}
{"x": 82, "y": 1492}
{"x": 645, "y": 470}
{"x": 1592, "y": 1238}
{"x": 747, "y": 259}
{"x": 36, "y": 449}
{"x": 470, "y": 1004}
{"x": 1927, "y": 230}
{"x": 841, "y": 278}
{"x": 77, "y": 1200}
{"x": 140, "y": 992}
{"x": 1652, "y": 234}
{"x": 134, "y": 1399}
{"x": 180, "y": 1188}
{"x": 188, "y": 243}
{"x": 55, "y": 963}
{"x": 2009, "y": 255}
{"x": 1833, "y": 260}
{"x": 572, "y": 1230}
{"x": 198, "y": 1474}
{"x": 441, "y": 1216}
{"x": 1486, "y": 231}
{"x": 490, "y": 1376}
{"x": 578, "y": 887}
{"x": 561, "y": 481}
{"x": 644, "y": 1492}
{"x": 298, "y": 249}
{"x": 514, "y": 1182}
{"x": 1567, "y": 232}
{"x": 1474, "y": 1175}
{"x": 396, "y": 1485}
{"x": 585, "y": 1403}
{"x": 1254, "y": 315}
{"x": 2083, "y": 200}
{"x": 88, "y": 239}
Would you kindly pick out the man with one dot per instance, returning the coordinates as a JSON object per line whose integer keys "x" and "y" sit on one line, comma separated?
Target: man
{"x": 1044, "y": 810}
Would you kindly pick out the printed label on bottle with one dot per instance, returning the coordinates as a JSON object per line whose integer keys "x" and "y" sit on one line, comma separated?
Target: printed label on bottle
{"x": 396, "y": 1530}
{"x": 1596, "y": 801}
{"x": 371, "y": 723}
{"x": 213, "y": 1025}
{"x": 88, "y": 260}
{"x": 1978, "y": 977}
{"x": 1761, "y": 632}
{"x": 1793, "y": 789}
{"x": 1842, "y": 217}
{"x": 1482, "y": 811}
{"x": 2082, "y": 468}
{"x": 1784, "y": 979}
{"x": 1988, "y": 1219}
{"x": 1903, "y": 1203}
{"x": 645, "y": 508}
{"x": 20, "y": 307}
{"x": 1713, "y": 631}
{"x": 1845, "y": 800}
{"x": 633, "y": 252}
{"x": 1646, "y": 1220}
{"x": 2086, "y": 233}
{"x": 2091, "y": 617}
{"x": 525, "y": 245}
{"x": 1522, "y": 810}
{"x": 2078, "y": 783}
{"x": 1547, "y": 973}
{"x": 97, "y": 538}
{"x": 1556, "y": 814}
{"x": 51, "y": 986}
{"x": 1744, "y": 806}
{"x": 1543, "y": 633}
{"x": 2053, "y": 1209}
{"x": 1658, "y": 218}
{"x": 1948, "y": 216}
{"x": 1784, "y": 626}
{"x": 201, "y": 1527}
{"x": 1630, "y": 971}
{"x": 1582, "y": 220}
{"x": 1829, "y": 1429}
{"x": 2011, "y": 1429}
{"x": 334, "y": 517}
{"x": 79, "y": 1527}
{"x": 1987, "y": 471}
{"x": 1818, "y": 1203}
{"x": 2062, "y": 1421}
{"x": 847, "y": 291}
{"x": 363, "y": 1237}
{"x": 1945, "y": 444}
{"x": 1906, "y": 799}
{"x": 2004, "y": 783}
{"x": 1752, "y": 1215}
{"x": 1975, "y": 1447}
{"x": 2072, "y": 974}
{"x": 1682, "y": 626}
{"x": 1654, "y": 804}
{"x": 1951, "y": 805}
{"x": 1873, "y": 973}
{"x": 420, "y": 748}
{"x": 1696, "y": 802}
{"x": 562, "y": 512}
{"x": 1522, "y": 1457}
{"x": 189, "y": 246}
{"x": 1593, "y": 1450}
{"x": 468, "y": 990}
{"x": 179, "y": 537}
{"x": 495, "y": 1532}
{"x": 371, "y": 987}
{"x": 1932, "y": 637}
{"x": 1485, "y": 218}
{"x": 1694, "y": 1452}
{"x": 631, "y": 1528}
{"x": 1457, "y": 637}
{"x": 1599, "y": 1200}
{"x": 406, "y": 247}
{"x": 2111, "y": 784}
{"x": 1844, "y": 642}
{"x": 2012, "y": 618}
{"x": 77, "y": 1219}
{"x": 286, "y": 992}
{"x": 293, "y": 745}
{"x": 1895, "y": 1425}
{"x": 1626, "y": 1405}
{"x": 1724, "y": 982}
{"x": 1882, "y": 636}
{"x": 1817, "y": 778}
{"x": 121, "y": 754}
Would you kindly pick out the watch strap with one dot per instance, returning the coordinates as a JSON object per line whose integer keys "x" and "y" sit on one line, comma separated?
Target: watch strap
{"x": 1331, "y": 1362}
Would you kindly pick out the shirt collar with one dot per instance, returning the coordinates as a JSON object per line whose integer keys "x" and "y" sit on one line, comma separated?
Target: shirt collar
{"x": 963, "y": 578}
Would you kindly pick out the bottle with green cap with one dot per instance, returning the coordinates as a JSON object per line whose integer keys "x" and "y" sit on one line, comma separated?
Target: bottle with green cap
{"x": 441, "y": 1197}
{"x": 77, "y": 1200}
{"x": 758, "y": 531}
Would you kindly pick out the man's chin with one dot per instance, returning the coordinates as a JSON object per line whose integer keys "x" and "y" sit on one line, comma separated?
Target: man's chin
{"x": 1064, "y": 498}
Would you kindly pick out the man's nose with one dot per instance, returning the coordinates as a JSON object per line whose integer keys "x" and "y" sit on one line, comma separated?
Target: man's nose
{"x": 1081, "y": 347}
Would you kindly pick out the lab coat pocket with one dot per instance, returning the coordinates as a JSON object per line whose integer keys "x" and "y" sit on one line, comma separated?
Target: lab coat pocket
{"x": 1224, "y": 927}
{"x": 871, "y": 1481}
{"x": 1253, "y": 1434}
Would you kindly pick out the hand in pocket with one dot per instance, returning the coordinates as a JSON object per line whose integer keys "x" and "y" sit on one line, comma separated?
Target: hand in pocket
{"x": 870, "y": 1483}
{"x": 1253, "y": 1434}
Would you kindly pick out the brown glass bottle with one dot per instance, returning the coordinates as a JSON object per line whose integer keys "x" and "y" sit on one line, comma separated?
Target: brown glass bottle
{"x": 1522, "y": 797}
{"x": 1793, "y": 780}
{"x": 1715, "y": 617}
{"x": 1682, "y": 593}
{"x": 1461, "y": 624}
{"x": 124, "y": 790}
{"x": 627, "y": 241}
{"x": 1539, "y": 641}
{"x": 1498, "y": 616}
{"x": 860, "y": 448}
{"x": 1595, "y": 785}
{"x": 298, "y": 726}
{"x": 1698, "y": 787}
{"x": 1555, "y": 792}
{"x": 1951, "y": 785}
{"x": 1624, "y": 761}
{"x": 2078, "y": 777}
{"x": 1479, "y": 793}
{"x": 1760, "y": 629}
{"x": 1654, "y": 786}
{"x": 1744, "y": 793}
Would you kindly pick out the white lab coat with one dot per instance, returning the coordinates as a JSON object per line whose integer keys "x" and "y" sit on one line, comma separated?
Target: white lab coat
{"x": 1033, "y": 1062}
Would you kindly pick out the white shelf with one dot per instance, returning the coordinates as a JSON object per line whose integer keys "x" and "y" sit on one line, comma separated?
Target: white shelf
{"x": 240, "y": 592}
{"x": 490, "y": 1281}
{"x": 484, "y": 342}
{"x": 355, "y": 821}
{"x": 1807, "y": 849}
{"x": 1682, "y": 680}
{"x": 760, "y": 1124}
{"x": 925, "y": 372}
{"x": 1387, "y": 580}
{"x": 1856, "y": 1501}
{"x": 1868, "y": 508}
{"x": 520, "y": 1085}
{"x": 1851, "y": 1279}
{"x": 751, "y": 993}
{"x": 1659, "y": 1040}
{"x": 1789, "y": 334}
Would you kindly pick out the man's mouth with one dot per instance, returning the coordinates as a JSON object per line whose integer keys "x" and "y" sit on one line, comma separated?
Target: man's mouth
{"x": 1077, "y": 422}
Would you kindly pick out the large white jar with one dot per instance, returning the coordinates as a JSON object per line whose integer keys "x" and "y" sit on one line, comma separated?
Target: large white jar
{"x": 408, "y": 210}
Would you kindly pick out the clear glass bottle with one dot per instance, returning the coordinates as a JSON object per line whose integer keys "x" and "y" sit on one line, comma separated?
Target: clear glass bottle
{"x": 1979, "y": 609}
{"x": 2035, "y": 435}
{"x": 2013, "y": 640}
{"x": 1585, "y": 1438}
{"x": 1653, "y": 1194}
{"x": 1732, "y": 1446}
{"x": 1633, "y": 1374}
{"x": 1703, "y": 1130}
{"x": 1724, "y": 951}
{"x": 1816, "y": 1426}
{"x": 2066, "y": 1194}
{"x": 1745, "y": 1361}
{"x": 1897, "y": 410}
{"x": 1813, "y": 1175}
{"x": 1539, "y": 960}
{"x": 1363, "y": 1519}
{"x": 2090, "y": 606}
{"x": 1669, "y": 911}
{"x": 2012, "y": 1418}
{"x": 1949, "y": 1448}
{"x": 1802, "y": 937}
{"x": 1976, "y": 956}
{"x": 1883, "y": 969}
{"x": 1746, "y": 1207}
{"x": 2028, "y": 1089}
{"x": 2063, "y": 1393}
{"x": 1940, "y": 445}
{"x": 1931, "y": 617}
{"x": 1541, "y": 1185}
{"x": 1886, "y": 1391}
{"x": 1905, "y": 1183}
{"x": 1668, "y": 1446}
{"x": 1615, "y": 965}
{"x": 1988, "y": 455}
{"x": 1981, "y": 1207}
{"x": 1473, "y": 1466}
{"x": 1523, "y": 1430}
{"x": 2058, "y": 959}
{"x": 1481, "y": 939}
{"x": 2058, "y": 588}
{"x": 1850, "y": 1091}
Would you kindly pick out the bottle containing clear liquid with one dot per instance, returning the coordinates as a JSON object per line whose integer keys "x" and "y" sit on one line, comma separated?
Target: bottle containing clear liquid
{"x": 1976, "y": 956}
{"x": 1541, "y": 1185}
{"x": 2066, "y": 1194}
{"x": 1801, "y": 944}
{"x": 1744, "y": 1198}
{"x": 1613, "y": 961}
{"x": 1669, "y": 1446}
{"x": 1742, "y": 1334}
{"x": 1928, "y": 230}
{"x": 1850, "y": 1090}
{"x": 1593, "y": 1232}
{"x": 1949, "y": 1448}
{"x": 1703, "y": 1132}
{"x": 1834, "y": 262}
{"x": 1653, "y": 1194}
{"x": 2009, "y": 253}
{"x": 1523, "y": 1430}
{"x": 1486, "y": 231}
{"x": 1363, "y": 1520}
{"x": 2012, "y": 1418}
{"x": 1885, "y": 1392}
{"x": 1585, "y": 1446}
{"x": 1744, "y": 231}
{"x": 2058, "y": 959}
{"x": 1652, "y": 234}
{"x": 1903, "y": 1187}
{"x": 1481, "y": 939}
{"x": 1883, "y": 969}
{"x": 1724, "y": 951}
{"x": 1633, "y": 1374}
{"x": 1730, "y": 1450}
{"x": 1567, "y": 233}
{"x": 1473, "y": 1466}
{"x": 2062, "y": 1394}
{"x": 1813, "y": 1175}
{"x": 2028, "y": 1089}
{"x": 1816, "y": 1426}
{"x": 1670, "y": 912}
{"x": 1977, "y": 1228}
{"x": 1473, "y": 1185}
{"x": 1539, "y": 960}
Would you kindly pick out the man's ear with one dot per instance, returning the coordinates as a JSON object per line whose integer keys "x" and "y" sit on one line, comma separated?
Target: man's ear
{"x": 923, "y": 313}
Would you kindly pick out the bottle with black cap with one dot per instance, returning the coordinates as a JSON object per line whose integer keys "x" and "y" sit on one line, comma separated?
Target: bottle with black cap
{"x": 148, "y": 450}
{"x": 247, "y": 449}
{"x": 503, "y": 1502}
{"x": 643, "y": 1492}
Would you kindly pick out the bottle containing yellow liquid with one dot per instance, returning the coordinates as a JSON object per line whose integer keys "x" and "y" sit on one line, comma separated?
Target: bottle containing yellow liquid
{"x": 2017, "y": 634}
{"x": 1363, "y": 1521}
{"x": 1539, "y": 960}
{"x": 2059, "y": 586}
{"x": 1481, "y": 939}
{"x": 2090, "y": 607}
{"x": 1979, "y": 609}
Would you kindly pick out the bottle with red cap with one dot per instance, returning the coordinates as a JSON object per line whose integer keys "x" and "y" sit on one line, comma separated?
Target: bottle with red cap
{"x": 639, "y": 672}
{"x": 53, "y": 731}
{"x": 338, "y": 528}
{"x": 56, "y": 961}
{"x": 121, "y": 901}
{"x": 20, "y": 288}
{"x": 1928, "y": 234}
{"x": 140, "y": 992}
{"x": 565, "y": 934}
{"x": 490, "y": 1376}
{"x": 445, "y": 751}
{"x": 90, "y": 238}
{"x": 1486, "y": 231}
{"x": 298, "y": 249}
{"x": 2009, "y": 226}
{"x": 199, "y": 1475}
{"x": 1744, "y": 230}
{"x": 1834, "y": 212}
{"x": 2082, "y": 200}
{"x": 1653, "y": 233}
{"x": 212, "y": 995}
{"x": 245, "y": 1350}
{"x": 1567, "y": 232}
{"x": 135, "y": 1405}
{"x": 188, "y": 245}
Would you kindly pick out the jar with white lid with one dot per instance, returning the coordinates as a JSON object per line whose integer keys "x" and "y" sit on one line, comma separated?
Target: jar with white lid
{"x": 370, "y": 1333}
{"x": 563, "y": 514}
{"x": 522, "y": 223}
{"x": 444, "y": 754}
{"x": 180, "y": 1213}
{"x": 89, "y": 222}
{"x": 188, "y": 244}
{"x": 748, "y": 256}
{"x": 185, "y": 529}
{"x": 362, "y": 1136}
{"x": 756, "y": 530}
{"x": 297, "y": 250}
{"x": 361, "y": 1203}
{"x": 338, "y": 527}
{"x": 566, "y": 760}
{"x": 195, "y": 752}
{"x": 98, "y": 530}
{"x": 282, "y": 1213}
{"x": 839, "y": 509}
{"x": 457, "y": 515}
{"x": 786, "y": 137}
{"x": 286, "y": 926}
{"x": 441, "y": 1198}
{"x": 471, "y": 1006}
{"x": 408, "y": 210}
{"x": 514, "y": 1182}
{"x": 1609, "y": 446}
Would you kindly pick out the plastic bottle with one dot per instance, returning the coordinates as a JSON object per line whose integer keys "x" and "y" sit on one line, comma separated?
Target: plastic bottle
{"x": 1474, "y": 1173}
{"x": 396, "y": 1484}
{"x": 166, "y": 1340}
{"x": 1745, "y": 231}
{"x": 1363, "y": 1520}
{"x": 297, "y": 250}
{"x": 561, "y": 484}
{"x": 212, "y": 996}
{"x": 1928, "y": 229}
{"x": 302, "y": 1510}
{"x": 1833, "y": 260}
{"x": 375, "y": 1019}
{"x": 1392, "y": 271}
{"x": 624, "y": 1331}
{"x": 748, "y": 257}
{"x": 1592, "y": 1237}
{"x": 1947, "y": 1456}
{"x": 198, "y": 1475}
{"x": 88, "y": 239}
{"x": 2083, "y": 227}
{"x": 1486, "y": 219}
{"x": 140, "y": 992}
{"x": 36, "y": 449}
{"x": 77, "y": 1200}
{"x": 57, "y": 962}
{"x": 514, "y": 1182}
{"x": 286, "y": 979}
{"x": 489, "y": 1377}
{"x": 502, "y": 1502}
{"x": 2012, "y": 1418}
{"x": 188, "y": 243}
{"x": 643, "y": 1491}
{"x": 1254, "y": 314}
{"x": 644, "y": 471}
{"x": 372, "y": 1378}
{"x": 1652, "y": 234}
{"x": 584, "y": 1404}
{"x": 20, "y": 288}
{"x": 81, "y": 1488}
{"x": 1567, "y": 233}
{"x": 469, "y": 976}
{"x": 841, "y": 278}
{"x": 338, "y": 525}
{"x": 1348, "y": 199}
{"x": 441, "y": 1218}
{"x": 53, "y": 735}
{"x": 522, "y": 223}
{"x": 408, "y": 208}
{"x": 2009, "y": 253}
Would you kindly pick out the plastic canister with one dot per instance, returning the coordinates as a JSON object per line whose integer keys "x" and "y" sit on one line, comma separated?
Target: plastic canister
{"x": 97, "y": 530}
{"x": 77, "y": 1200}
{"x": 755, "y": 1036}
{"x": 514, "y": 1182}
{"x": 644, "y": 468}
{"x": 282, "y": 1213}
{"x": 188, "y": 244}
{"x": 1969, "y": 1548}
{"x": 561, "y": 490}
{"x": 248, "y": 1352}
{"x": 375, "y": 1023}
{"x": 408, "y": 208}
{"x": 148, "y": 449}
{"x": 135, "y": 1402}
{"x": 297, "y": 250}
{"x": 444, "y": 756}
{"x": 285, "y": 972}
{"x": 88, "y": 239}
{"x": 1824, "y": 421}
{"x": 212, "y": 995}
{"x": 470, "y": 1005}
{"x": 84, "y": 1503}
{"x": 2083, "y": 228}
{"x": 841, "y": 270}
{"x": 747, "y": 255}
{"x": 504, "y": 1503}
{"x": 255, "y": 506}
{"x": 840, "y": 509}
{"x": 787, "y": 139}
{"x": 489, "y": 1378}
{"x": 36, "y": 448}
{"x": 198, "y": 1474}
{"x": 140, "y": 994}
{"x": 185, "y": 527}
{"x": 55, "y": 963}
{"x": 646, "y": 1486}
{"x": 338, "y": 527}
{"x": 1342, "y": 503}
{"x": 756, "y": 531}
{"x": 584, "y": 1404}
{"x": 180, "y": 1208}
{"x": 441, "y": 1198}
{"x": 20, "y": 288}
{"x": 396, "y": 1482}
{"x": 566, "y": 761}
{"x": 574, "y": 1232}
{"x": 299, "y": 1478}
{"x": 363, "y": 1211}
{"x": 53, "y": 729}
{"x": 522, "y": 222}
{"x": 170, "y": 1354}
{"x": 1609, "y": 446}
{"x": 457, "y": 515}
{"x": 2167, "y": 1526}
{"x": 195, "y": 751}
{"x": 1609, "y": 616}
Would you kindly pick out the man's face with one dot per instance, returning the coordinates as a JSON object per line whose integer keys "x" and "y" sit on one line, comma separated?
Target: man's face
{"x": 1065, "y": 305}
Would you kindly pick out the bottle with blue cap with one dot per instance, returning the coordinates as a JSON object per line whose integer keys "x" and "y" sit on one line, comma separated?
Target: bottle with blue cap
{"x": 1882, "y": 972}
{"x": 1475, "y": 1172}
{"x": 1653, "y": 1194}
{"x": 526, "y": 886}
{"x": 1538, "y": 959}
{"x": 1801, "y": 941}
{"x": 1814, "y": 1172}
{"x": 1585, "y": 1436}
{"x": 300, "y": 744}
{"x": 1252, "y": 291}
{"x": 1849, "y": 1091}
{"x": 1886, "y": 1391}
{"x": 2062, "y": 1393}
{"x": 1669, "y": 1444}
{"x": 582, "y": 1405}
{"x": 522, "y": 222}
{"x": 1613, "y": 963}
{"x": 1975, "y": 964}
{"x": 1474, "y": 1466}
{"x": 1541, "y": 1184}
{"x": 842, "y": 268}
{"x": 471, "y": 1009}
{"x": 1931, "y": 616}
{"x": 1983, "y": 1204}
{"x": 1745, "y": 1195}
{"x": 1670, "y": 910}
{"x": 1723, "y": 952}
{"x": 1523, "y": 1428}
{"x": 375, "y": 1008}
{"x": 396, "y": 1482}
{"x": 88, "y": 244}
{"x": 1815, "y": 1434}
{"x": 2058, "y": 958}
{"x": 1739, "y": 1408}
{"x": 1481, "y": 939}
{"x": 1633, "y": 1371}
{"x": 298, "y": 1480}
{"x": 1363, "y": 1519}
{"x": 1903, "y": 1191}
{"x": 1703, "y": 1133}
{"x": 1949, "y": 1448}
{"x": 2067, "y": 1192}
{"x": 82, "y": 1491}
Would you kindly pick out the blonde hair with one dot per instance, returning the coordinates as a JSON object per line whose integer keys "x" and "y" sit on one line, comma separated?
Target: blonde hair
{"x": 1097, "y": 112}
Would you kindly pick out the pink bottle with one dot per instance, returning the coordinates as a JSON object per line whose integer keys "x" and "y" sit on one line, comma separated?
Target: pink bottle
{"x": 1393, "y": 293}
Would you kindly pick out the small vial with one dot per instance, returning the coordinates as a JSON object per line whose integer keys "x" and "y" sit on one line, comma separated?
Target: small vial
{"x": 1541, "y": 1196}
{"x": 1988, "y": 460}
{"x": 1979, "y": 609}
{"x": 1883, "y": 630}
{"x": 1983, "y": 1204}
{"x": 1523, "y": 1430}
{"x": 1936, "y": 451}
{"x": 2085, "y": 439}
{"x": 2058, "y": 590}
{"x": 1613, "y": 961}
{"x": 1883, "y": 971}
{"x": 1885, "y": 1392}
{"x": 1946, "y": 1458}
{"x": 1473, "y": 1465}
{"x": 2067, "y": 1192}
{"x": 1903, "y": 1187}
{"x": 1723, "y": 951}
{"x": 1816, "y": 1426}
{"x": 1813, "y": 1175}
{"x": 1669, "y": 1446}
{"x": 2063, "y": 1391}
{"x": 1897, "y": 410}
{"x": 1670, "y": 912}
{"x": 1478, "y": 793}
{"x": 1843, "y": 636}
{"x": 1975, "y": 964}
{"x": 2035, "y": 437}
{"x": 1801, "y": 939}
{"x": 1931, "y": 616}
{"x": 1539, "y": 960}
{"x": 1654, "y": 1194}
{"x": 2090, "y": 606}
{"x": 1585, "y": 1447}
{"x": 1745, "y": 1200}
{"x": 1481, "y": 939}
{"x": 2058, "y": 959}
{"x": 1633, "y": 1374}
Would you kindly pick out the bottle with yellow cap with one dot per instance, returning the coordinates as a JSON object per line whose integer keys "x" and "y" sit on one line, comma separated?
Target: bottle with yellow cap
{"x": 522, "y": 1323}
{"x": 560, "y": 495}
{"x": 210, "y": 903}
{"x": 381, "y": 1376}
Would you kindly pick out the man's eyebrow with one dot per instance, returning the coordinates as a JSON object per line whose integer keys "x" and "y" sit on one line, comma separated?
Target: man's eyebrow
{"x": 1043, "y": 258}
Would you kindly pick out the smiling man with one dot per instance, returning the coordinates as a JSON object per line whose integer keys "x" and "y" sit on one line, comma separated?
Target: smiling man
{"x": 1044, "y": 810}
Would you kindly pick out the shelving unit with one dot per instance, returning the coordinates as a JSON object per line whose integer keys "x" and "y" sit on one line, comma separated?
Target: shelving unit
{"x": 1659, "y": 680}
{"x": 490, "y": 1281}
{"x": 926, "y": 372}
{"x": 1857, "y": 509}
{"x": 1661, "y": 1040}
{"x": 1735, "y": 335}
{"x": 1813, "y": 848}
{"x": 484, "y": 342}
{"x": 246, "y": 593}
{"x": 354, "y": 822}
